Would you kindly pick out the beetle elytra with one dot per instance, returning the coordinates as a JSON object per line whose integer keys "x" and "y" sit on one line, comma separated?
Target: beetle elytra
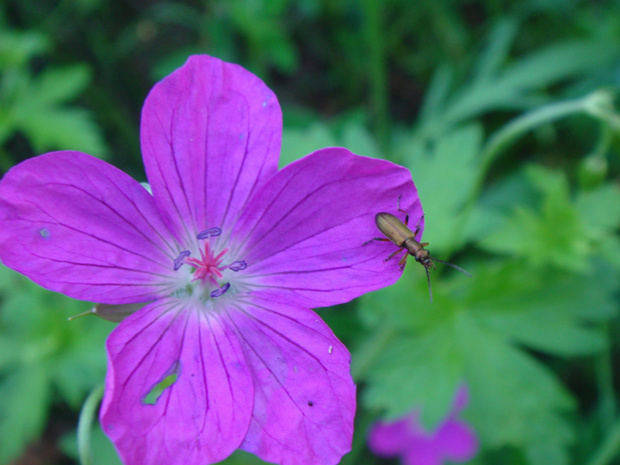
{"x": 398, "y": 233}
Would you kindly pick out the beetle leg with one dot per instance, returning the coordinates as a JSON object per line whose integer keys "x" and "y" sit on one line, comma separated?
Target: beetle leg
{"x": 403, "y": 261}
{"x": 417, "y": 229}
{"x": 382, "y": 239}
{"x": 401, "y": 210}
{"x": 391, "y": 255}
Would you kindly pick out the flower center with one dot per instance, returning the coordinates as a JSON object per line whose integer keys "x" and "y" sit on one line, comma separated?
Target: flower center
{"x": 208, "y": 268}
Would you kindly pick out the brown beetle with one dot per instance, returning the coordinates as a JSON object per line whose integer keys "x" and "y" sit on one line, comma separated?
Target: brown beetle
{"x": 397, "y": 232}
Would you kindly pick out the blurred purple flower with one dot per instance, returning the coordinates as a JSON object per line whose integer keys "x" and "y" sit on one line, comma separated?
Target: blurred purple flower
{"x": 453, "y": 439}
{"x": 228, "y": 255}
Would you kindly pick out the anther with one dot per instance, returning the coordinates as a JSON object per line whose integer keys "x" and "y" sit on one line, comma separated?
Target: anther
{"x": 180, "y": 260}
{"x": 238, "y": 265}
{"x": 211, "y": 232}
{"x": 219, "y": 292}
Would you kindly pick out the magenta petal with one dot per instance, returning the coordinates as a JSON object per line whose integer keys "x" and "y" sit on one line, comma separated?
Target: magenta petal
{"x": 304, "y": 232}
{"x": 203, "y": 416}
{"x": 422, "y": 451}
{"x": 390, "y": 439}
{"x": 210, "y": 136}
{"x": 77, "y": 225}
{"x": 457, "y": 441}
{"x": 305, "y": 397}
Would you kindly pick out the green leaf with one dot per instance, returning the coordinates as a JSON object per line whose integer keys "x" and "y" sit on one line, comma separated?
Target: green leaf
{"x": 563, "y": 307}
{"x": 33, "y": 323}
{"x": 445, "y": 176}
{"x": 515, "y": 400}
{"x": 103, "y": 450}
{"x": 54, "y": 127}
{"x": 518, "y": 85}
{"x": 600, "y": 209}
{"x": 553, "y": 234}
{"x": 559, "y": 61}
{"x": 297, "y": 143}
{"x": 358, "y": 140}
{"x": 25, "y": 398}
{"x": 496, "y": 50}
{"x": 415, "y": 372}
{"x": 17, "y": 48}
{"x": 59, "y": 85}
{"x": 476, "y": 332}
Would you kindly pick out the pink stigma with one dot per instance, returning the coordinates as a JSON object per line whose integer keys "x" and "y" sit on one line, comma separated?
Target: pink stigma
{"x": 208, "y": 266}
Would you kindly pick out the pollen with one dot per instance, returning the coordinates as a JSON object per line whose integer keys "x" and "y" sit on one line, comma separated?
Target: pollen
{"x": 208, "y": 269}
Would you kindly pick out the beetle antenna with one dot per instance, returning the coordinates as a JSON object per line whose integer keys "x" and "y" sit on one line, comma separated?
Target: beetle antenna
{"x": 430, "y": 289}
{"x": 452, "y": 265}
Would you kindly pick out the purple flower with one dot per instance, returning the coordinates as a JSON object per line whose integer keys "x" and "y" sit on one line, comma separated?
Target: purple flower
{"x": 453, "y": 439}
{"x": 228, "y": 255}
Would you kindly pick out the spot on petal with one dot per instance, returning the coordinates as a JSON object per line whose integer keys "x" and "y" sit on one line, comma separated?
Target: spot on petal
{"x": 45, "y": 233}
{"x": 167, "y": 380}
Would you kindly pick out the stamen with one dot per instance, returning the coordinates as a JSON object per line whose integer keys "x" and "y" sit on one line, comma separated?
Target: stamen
{"x": 238, "y": 265}
{"x": 219, "y": 292}
{"x": 211, "y": 232}
{"x": 180, "y": 260}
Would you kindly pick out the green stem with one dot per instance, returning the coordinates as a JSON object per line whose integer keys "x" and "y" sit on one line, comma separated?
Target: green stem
{"x": 609, "y": 448}
{"x": 604, "y": 382}
{"x": 514, "y": 130}
{"x": 85, "y": 424}
{"x": 598, "y": 104}
{"x": 379, "y": 92}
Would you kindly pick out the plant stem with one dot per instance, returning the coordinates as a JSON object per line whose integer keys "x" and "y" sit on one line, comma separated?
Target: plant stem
{"x": 85, "y": 424}
{"x": 374, "y": 39}
{"x": 604, "y": 382}
{"x": 609, "y": 448}
{"x": 598, "y": 104}
{"x": 510, "y": 133}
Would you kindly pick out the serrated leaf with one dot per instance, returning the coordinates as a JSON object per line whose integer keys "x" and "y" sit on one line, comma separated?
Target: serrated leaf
{"x": 512, "y": 395}
{"x": 297, "y": 143}
{"x": 54, "y": 127}
{"x": 422, "y": 371}
{"x": 445, "y": 176}
{"x": 553, "y": 234}
{"x": 58, "y": 85}
{"x": 479, "y": 334}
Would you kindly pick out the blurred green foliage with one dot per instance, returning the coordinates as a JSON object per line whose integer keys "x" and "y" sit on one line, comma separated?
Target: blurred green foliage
{"x": 505, "y": 113}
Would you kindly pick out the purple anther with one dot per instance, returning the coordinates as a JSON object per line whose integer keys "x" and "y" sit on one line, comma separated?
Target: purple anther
{"x": 178, "y": 262}
{"x": 220, "y": 291}
{"x": 211, "y": 232}
{"x": 238, "y": 265}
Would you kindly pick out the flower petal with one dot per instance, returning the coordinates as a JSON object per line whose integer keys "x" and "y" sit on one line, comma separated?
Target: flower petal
{"x": 456, "y": 440}
{"x": 390, "y": 439}
{"x": 304, "y": 232}
{"x": 204, "y": 415}
{"x": 422, "y": 451}
{"x": 77, "y": 225}
{"x": 305, "y": 396}
{"x": 210, "y": 136}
